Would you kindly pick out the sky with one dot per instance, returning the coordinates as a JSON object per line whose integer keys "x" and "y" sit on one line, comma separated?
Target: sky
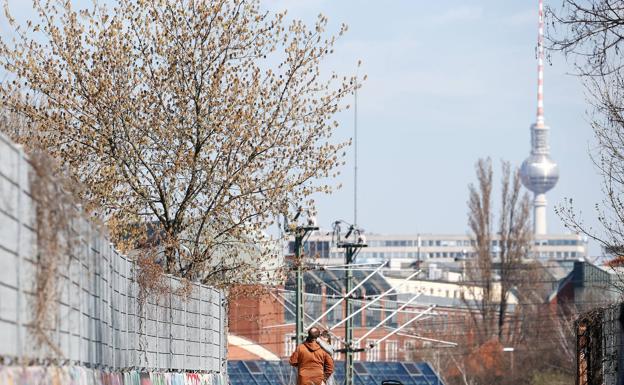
{"x": 448, "y": 82}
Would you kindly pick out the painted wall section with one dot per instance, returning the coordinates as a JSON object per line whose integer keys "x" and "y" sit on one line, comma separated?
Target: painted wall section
{"x": 75, "y": 375}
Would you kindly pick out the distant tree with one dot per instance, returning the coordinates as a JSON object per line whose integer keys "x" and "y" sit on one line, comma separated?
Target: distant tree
{"x": 492, "y": 274}
{"x": 591, "y": 35}
{"x": 191, "y": 122}
{"x": 589, "y": 32}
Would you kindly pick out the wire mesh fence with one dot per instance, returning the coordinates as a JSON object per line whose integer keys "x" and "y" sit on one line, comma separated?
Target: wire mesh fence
{"x": 99, "y": 322}
{"x": 600, "y": 349}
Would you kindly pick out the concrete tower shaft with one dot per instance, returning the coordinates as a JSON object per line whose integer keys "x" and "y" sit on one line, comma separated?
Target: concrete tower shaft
{"x": 539, "y": 172}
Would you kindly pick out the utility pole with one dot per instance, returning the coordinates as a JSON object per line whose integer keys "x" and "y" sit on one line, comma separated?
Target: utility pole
{"x": 300, "y": 232}
{"x": 299, "y": 309}
{"x": 350, "y": 253}
{"x": 351, "y": 249}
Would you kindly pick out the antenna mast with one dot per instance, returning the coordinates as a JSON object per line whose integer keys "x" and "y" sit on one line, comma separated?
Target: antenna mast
{"x": 355, "y": 147}
{"x": 540, "y": 67}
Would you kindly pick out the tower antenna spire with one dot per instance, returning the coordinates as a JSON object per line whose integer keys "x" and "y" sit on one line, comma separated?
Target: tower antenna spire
{"x": 540, "y": 66}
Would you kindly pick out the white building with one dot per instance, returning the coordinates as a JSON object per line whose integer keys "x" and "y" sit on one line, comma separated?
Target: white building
{"x": 403, "y": 250}
{"x": 447, "y": 289}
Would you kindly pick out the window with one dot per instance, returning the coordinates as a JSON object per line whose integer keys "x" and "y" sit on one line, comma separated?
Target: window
{"x": 356, "y": 355}
{"x": 392, "y": 350}
{"x": 336, "y": 346}
{"x": 289, "y": 344}
{"x": 357, "y": 320}
{"x": 372, "y": 354}
{"x": 373, "y": 317}
{"x": 442, "y": 321}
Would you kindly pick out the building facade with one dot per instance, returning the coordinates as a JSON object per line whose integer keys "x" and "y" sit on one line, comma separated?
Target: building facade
{"x": 403, "y": 250}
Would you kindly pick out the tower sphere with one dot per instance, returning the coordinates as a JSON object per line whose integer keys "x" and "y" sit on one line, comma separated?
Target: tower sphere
{"x": 539, "y": 173}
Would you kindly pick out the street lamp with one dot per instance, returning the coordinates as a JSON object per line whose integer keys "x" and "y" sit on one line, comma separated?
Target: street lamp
{"x": 511, "y": 351}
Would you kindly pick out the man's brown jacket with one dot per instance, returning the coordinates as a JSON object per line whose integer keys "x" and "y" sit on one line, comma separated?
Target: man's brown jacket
{"x": 314, "y": 365}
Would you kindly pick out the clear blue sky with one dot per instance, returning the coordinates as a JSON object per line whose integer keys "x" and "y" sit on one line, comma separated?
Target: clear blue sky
{"x": 448, "y": 82}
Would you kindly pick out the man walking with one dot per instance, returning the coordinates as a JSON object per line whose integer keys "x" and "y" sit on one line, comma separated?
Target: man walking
{"x": 314, "y": 365}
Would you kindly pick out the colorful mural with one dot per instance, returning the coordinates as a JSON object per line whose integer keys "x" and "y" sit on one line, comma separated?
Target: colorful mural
{"x": 76, "y": 375}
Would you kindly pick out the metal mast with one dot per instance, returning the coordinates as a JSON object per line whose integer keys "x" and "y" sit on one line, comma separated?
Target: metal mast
{"x": 351, "y": 247}
{"x": 300, "y": 232}
{"x": 350, "y": 253}
{"x": 355, "y": 151}
{"x": 299, "y": 299}
{"x": 539, "y": 172}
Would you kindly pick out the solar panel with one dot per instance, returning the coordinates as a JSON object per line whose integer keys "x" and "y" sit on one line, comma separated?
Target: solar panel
{"x": 412, "y": 368}
{"x": 366, "y": 373}
{"x": 360, "y": 368}
{"x": 253, "y": 367}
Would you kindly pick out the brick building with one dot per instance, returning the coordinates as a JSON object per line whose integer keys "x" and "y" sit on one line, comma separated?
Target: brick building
{"x": 266, "y": 316}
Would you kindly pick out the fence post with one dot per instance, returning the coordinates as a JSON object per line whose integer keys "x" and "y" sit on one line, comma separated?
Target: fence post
{"x": 170, "y": 324}
{"x": 223, "y": 325}
{"x": 111, "y": 313}
{"x": 80, "y": 293}
{"x": 203, "y": 328}
{"x": 186, "y": 340}
{"x": 19, "y": 252}
{"x": 127, "y": 283}
{"x": 70, "y": 288}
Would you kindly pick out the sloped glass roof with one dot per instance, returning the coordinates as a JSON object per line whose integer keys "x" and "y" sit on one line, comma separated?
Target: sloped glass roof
{"x": 366, "y": 373}
{"x": 334, "y": 280}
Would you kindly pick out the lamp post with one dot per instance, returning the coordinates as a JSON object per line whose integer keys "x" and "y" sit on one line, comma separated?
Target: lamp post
{"x": 511, "y": 351}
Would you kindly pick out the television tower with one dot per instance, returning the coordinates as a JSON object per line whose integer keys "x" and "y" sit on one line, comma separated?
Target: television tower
{"x": 539, "y": 172}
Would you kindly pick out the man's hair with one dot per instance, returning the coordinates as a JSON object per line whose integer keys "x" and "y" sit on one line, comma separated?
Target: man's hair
{"x": 313, "y": 333}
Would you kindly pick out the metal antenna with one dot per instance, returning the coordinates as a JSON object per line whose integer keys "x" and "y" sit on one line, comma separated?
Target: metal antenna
{"x": 540, "y": 66}
{"x": 355, "y": 147}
